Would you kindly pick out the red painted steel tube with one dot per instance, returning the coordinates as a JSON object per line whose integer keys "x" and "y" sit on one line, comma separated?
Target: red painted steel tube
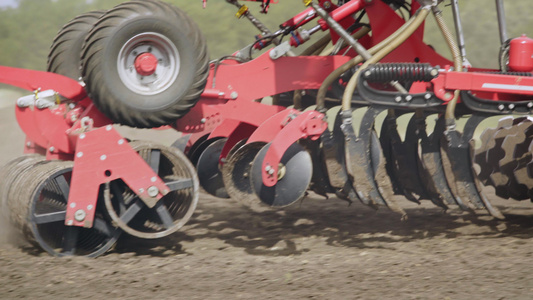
{"x": 347, "y": 9}
{"x": 300, "y": 18}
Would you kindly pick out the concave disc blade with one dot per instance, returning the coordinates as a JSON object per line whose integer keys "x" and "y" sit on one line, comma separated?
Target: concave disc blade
{"x": 292, "y": 186}
{"x": 208, "y": 169}
{"x": 236, "y": 174}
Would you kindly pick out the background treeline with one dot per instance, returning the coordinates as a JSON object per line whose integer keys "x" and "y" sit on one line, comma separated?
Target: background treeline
{"x": 27, "y": 31}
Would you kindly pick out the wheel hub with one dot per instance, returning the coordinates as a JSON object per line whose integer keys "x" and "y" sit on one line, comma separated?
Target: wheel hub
{"x": 146, "y": 64}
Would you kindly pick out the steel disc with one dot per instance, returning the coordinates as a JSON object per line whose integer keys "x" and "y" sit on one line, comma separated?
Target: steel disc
{"x": 208, "y": 169}
{"x": 236, "y": 174}
{"x": 196, "y": 150}
{"x": 172, "y": 211}
{"x": 292, "y": 185}
{"x": 38, "y": 203}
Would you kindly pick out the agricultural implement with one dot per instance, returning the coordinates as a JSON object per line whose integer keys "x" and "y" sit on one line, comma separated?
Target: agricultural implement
{"x": 264, "y": 125}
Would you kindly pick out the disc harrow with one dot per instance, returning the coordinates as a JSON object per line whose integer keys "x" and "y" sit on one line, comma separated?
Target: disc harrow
{"x": 368, "y": 112}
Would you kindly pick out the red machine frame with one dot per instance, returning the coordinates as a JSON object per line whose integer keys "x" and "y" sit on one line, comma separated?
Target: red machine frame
{"x": 227, "y": 108}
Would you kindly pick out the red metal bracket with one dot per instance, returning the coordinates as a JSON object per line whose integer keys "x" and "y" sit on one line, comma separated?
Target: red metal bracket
{"x": 309, "y": 124}
{"x": 234, "y": 131}
{"x": 268, "y": 130}
{"x": 243, "y": 131}
{"x": 203, "y": 118}
{"x": 103, "y": 155}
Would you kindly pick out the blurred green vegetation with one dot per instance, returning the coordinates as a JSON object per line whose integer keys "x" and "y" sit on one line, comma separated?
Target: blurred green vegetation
{"x": 26, "y": 32}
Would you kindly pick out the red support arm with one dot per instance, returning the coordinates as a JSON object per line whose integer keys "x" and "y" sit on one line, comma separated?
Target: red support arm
{"x": 103, "y": 155}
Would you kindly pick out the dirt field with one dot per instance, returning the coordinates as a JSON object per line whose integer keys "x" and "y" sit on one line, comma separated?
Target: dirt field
{"x": 319, "y": 249}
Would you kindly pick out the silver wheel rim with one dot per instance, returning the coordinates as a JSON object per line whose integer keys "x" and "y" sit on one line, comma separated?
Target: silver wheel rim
{"x": 168, "y": 65}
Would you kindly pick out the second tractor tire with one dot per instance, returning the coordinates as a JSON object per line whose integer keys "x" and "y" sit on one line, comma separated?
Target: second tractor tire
{"x": 64, "y": 56}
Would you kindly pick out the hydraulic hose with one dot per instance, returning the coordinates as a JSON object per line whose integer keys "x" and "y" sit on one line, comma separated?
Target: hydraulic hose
{"x": 321, "y": 94}
{"x": 318, "y": 45}
{"x": 418, "y": 19}
{"x": 457, "y": 61}
{"x": 359, "y": 34}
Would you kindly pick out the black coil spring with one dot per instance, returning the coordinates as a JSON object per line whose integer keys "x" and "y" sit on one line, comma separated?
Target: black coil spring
{"x": 400, "y": 72}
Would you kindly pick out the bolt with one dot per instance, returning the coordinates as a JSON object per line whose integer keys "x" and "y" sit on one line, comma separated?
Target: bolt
{"x": 80, "y": 215}
{"x": 427, "y": 96}
{"x": 72, "y": 205}
{"x": 530, "y": 105}
{"x": 234, "y": 95}
{"x": 203, "y": 120}
{"x": 82, "y": 136}
{"x": 501, "y": 107}
{"x": 141, "y": 191}
{"x": 52, "y": 149}
{"x": 28, "y": 144}
{"x": 121, "y": 141}
{"x": 511, "y": 106}
{"x": 153, "y": 179}
{"x": 70, "y": 222}
{"x": 89, "y": 207}
{"x": 73, "y": 117}
{"x": 434, "y": 72}
{"x": 408, "y": 98}
{"x": 398, "y": 99}
{"x": 80, "y": 154}
{"x": 108, "y": 127}
{"x": 448, "y": 95}
{"x": 103, "y": 157}
{"x": 327, "y": 5}
{"x": 271, "y": 171}
{"x": 268, "y": 168}
{"x": 368, "y": 73}
{"x": 153, "y": 191}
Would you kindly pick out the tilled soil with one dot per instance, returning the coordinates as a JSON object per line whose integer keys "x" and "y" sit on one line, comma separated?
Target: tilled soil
{"x": 321, "y": 249}
{"x": 317, "y": 249}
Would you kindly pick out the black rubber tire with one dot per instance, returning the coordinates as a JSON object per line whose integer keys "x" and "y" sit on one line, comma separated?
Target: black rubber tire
{"x": 65, "y": 52}
{"x": 111, "y": 34}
